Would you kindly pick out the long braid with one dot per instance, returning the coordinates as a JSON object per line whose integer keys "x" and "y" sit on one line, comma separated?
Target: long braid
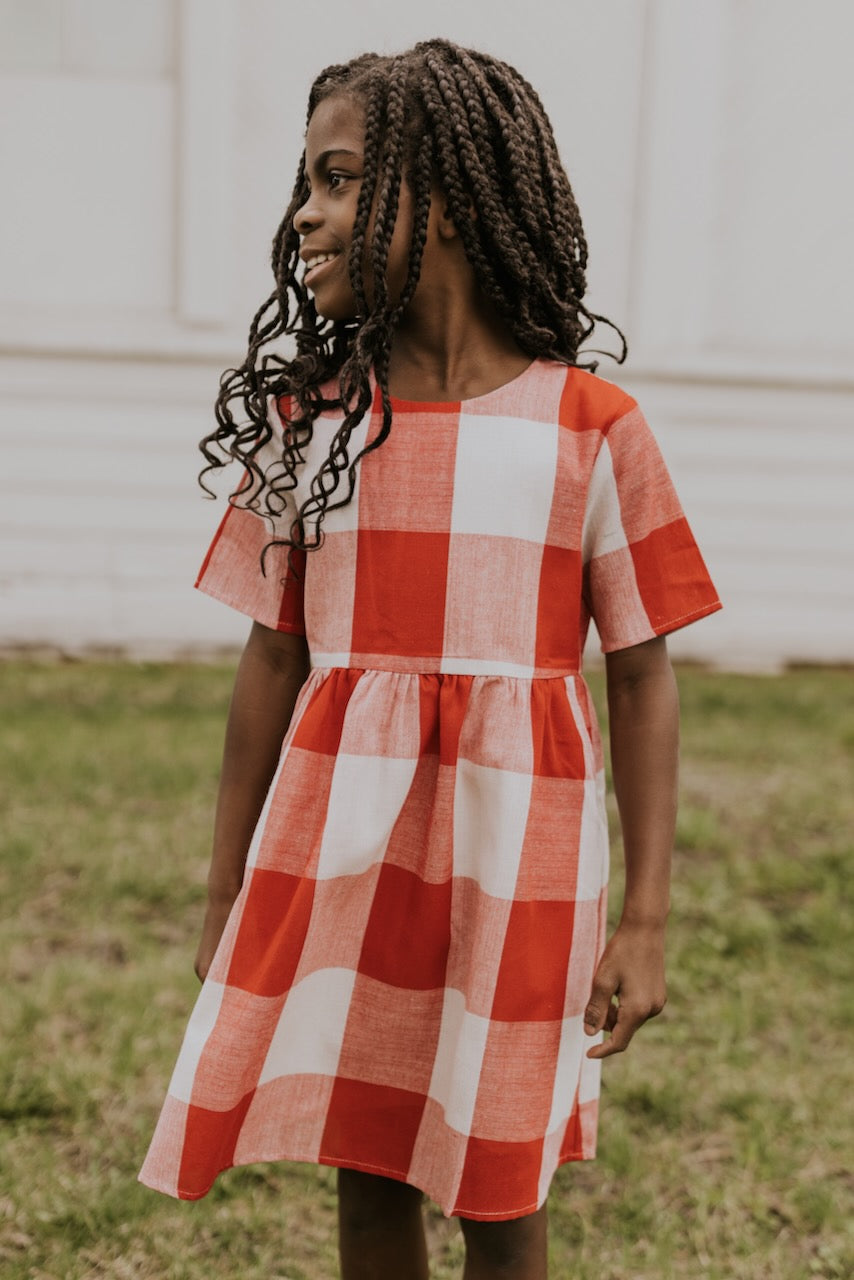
{"x": 513, "y": 246}
{"x": 373, "y": 342}
{"x": 496, "y": 276}
{"x": 436, "y": 116}
{"x": 476, "y": 101}
{"x": 561, "y": 201}
{"x": 504, "y": 259}
{"x": 512, "y": 221}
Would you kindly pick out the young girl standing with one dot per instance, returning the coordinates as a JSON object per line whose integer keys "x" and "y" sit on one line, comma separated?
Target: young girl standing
{"x": 405, "y": 970}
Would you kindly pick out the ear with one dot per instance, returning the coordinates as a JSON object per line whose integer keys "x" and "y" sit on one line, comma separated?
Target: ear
{"x": 445, "y": 224}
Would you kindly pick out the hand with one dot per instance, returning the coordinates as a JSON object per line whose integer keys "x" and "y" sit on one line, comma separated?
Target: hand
{"x": 216, "y": 918}
{"x": 631, "y": 972}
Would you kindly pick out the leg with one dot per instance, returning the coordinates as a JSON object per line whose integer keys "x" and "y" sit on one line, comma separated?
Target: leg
{"x": 511, "y": 1250}
{"x": 380, "y": 1228}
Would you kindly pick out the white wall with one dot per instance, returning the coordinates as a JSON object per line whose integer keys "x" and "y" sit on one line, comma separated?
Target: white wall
{"x": 147, "y": 152}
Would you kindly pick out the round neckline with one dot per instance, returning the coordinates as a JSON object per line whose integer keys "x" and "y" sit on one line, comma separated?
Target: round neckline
{"x": 450, "y": 404}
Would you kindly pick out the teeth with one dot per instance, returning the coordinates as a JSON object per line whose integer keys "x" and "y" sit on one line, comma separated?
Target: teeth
{"x": 316, "y": 261}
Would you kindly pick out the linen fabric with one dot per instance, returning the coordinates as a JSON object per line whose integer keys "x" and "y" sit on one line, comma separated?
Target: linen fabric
{"x": 401, "y": 984}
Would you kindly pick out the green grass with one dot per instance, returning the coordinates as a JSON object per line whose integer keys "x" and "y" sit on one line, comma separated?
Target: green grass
{"x": 726, "y": 1129}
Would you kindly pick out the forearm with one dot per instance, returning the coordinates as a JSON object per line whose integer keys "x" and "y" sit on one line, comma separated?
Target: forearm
{"x": 644, "y": 729}
{"x": 643, "y": 710}
{"x": 269, "y": 677}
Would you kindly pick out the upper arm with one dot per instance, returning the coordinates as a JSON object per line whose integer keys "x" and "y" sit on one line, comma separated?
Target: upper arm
{"x": 633, "y": 665}
{"x": 285, "y": 652}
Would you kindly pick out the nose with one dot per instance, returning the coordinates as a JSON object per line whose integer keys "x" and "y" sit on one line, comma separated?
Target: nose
{"x": 306, "y": 217}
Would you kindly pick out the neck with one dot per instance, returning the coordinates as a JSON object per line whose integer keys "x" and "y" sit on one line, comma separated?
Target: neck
{"x": 451, "y": 346}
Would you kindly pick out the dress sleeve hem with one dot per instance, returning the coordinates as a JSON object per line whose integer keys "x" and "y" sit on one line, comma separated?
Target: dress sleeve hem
{"x": 663, "y": 628}
{"x": 272, "y": 621}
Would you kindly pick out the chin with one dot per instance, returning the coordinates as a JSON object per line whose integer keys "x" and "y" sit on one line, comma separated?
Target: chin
{"x": 339, "y": 315}
{"x": 336, "y": 311}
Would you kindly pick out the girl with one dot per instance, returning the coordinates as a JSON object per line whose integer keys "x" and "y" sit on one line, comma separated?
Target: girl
{"x": 403, "y": 949}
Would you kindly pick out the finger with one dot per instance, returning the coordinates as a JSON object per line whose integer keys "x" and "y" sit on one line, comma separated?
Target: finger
{"x": 625, "y": 1024}
{"x": 598, "y": 1006}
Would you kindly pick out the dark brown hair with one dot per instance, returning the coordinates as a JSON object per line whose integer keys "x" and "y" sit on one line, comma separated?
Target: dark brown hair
{"x": 435, "y": 114}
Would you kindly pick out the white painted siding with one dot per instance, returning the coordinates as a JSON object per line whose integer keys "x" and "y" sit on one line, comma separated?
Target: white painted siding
{"x": 146, "y": 154}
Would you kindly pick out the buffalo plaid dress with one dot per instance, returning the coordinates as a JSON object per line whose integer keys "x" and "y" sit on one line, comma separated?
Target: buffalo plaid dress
{"x": 401, "y": 983}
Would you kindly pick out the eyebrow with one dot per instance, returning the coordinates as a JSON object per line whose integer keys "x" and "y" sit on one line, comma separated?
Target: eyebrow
{"x": 333, "y": 151}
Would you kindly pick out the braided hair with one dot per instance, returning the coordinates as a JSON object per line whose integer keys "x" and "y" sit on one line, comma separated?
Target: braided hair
{"x": 437, "y": 114}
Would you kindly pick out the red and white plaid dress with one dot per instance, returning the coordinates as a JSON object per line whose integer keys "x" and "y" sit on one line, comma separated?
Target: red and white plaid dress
{"x": 401, "y": 984}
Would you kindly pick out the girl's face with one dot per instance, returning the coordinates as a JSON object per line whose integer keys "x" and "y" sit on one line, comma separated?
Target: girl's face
{"x": 334, "y": 154}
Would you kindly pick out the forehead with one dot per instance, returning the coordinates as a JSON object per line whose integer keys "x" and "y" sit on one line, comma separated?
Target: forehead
{"x": 336, "y": 124}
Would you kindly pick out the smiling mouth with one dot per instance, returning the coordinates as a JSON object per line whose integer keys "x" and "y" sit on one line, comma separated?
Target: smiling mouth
{"x": 315, "y": 272}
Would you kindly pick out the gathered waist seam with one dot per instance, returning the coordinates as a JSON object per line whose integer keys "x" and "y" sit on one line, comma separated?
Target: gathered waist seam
{"x": 562, "y": 674}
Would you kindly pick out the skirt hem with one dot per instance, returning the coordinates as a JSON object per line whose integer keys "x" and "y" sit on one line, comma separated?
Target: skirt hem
{"x": 363, "y": 1166}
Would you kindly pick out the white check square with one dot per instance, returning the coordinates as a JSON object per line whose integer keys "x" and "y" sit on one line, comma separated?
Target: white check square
{"x": 504, "y": 477}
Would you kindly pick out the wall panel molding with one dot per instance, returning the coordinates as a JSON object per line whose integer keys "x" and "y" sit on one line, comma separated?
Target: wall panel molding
{"x": 119, "y": 225}
{"x": 742, "y": 208}
{"x": 205, "y": 126}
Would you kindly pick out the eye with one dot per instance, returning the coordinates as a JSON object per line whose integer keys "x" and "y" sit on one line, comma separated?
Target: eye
{"x": 333, "y": 179}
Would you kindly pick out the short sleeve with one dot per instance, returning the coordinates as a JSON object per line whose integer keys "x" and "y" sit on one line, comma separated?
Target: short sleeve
{"x": 232, "y": 570}
{"x": 643, "y": 572}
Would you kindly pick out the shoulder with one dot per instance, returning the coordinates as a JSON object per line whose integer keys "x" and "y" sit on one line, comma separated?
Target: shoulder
{"x": 589, "y": 402}
{"x": 284, "y": 404}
